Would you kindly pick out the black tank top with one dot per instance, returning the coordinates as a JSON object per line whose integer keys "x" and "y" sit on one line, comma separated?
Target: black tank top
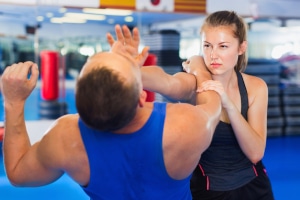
{"x": 224, "y": 164}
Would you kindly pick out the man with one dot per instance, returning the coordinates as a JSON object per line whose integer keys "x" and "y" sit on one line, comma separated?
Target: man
{"x": 118, "y": 146}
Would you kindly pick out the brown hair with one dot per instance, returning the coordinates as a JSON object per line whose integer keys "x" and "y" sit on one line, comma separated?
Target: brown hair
{"x": 105, "y": 101}
{"x": 230, "y": 18}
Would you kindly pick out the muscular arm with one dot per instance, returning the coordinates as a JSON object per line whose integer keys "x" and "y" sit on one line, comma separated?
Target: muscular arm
{"x": 178, "y": 87}
{"x": 208, "y": 101}
{"x": 20, "y": 158}
{"x": 192, "y": 134}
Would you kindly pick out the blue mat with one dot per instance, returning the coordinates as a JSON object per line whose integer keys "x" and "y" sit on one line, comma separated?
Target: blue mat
{"x": 282, "y": 161}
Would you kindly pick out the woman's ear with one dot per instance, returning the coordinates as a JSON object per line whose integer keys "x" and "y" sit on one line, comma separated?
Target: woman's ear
{"x": 243, "y": 47}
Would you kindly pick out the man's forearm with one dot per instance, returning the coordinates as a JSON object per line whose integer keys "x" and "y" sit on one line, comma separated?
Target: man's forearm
{"x": 155, "y": 79}
{"x": 16, "y": 141}
{"x": 210, "y": 103}
{"x": 178, "y": 87}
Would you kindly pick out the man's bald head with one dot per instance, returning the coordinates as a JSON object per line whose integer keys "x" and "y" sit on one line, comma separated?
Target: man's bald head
{"x": 108, "y": 91}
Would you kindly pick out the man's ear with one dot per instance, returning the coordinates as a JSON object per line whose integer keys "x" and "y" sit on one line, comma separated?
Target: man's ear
{"x": 143, "y": 97}
{"x": 243, "y": 47}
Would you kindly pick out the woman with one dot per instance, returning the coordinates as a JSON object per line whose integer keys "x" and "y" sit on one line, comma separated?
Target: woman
{"x": 231, "y": 168}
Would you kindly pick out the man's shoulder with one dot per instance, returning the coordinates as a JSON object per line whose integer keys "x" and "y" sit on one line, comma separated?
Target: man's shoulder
{"x": 182, "y": 111}
{"x": 179, "y": 106}
{"x": 68, "y": 118}
{"x": 65, "y": 126}
{"x": 64, "y": 132}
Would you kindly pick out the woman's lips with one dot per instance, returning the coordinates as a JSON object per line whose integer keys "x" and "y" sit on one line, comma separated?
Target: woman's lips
{"x": 215, "y": 65}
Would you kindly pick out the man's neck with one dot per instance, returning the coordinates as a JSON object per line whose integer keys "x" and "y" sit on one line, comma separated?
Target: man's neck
{"x": 141, "y": 117}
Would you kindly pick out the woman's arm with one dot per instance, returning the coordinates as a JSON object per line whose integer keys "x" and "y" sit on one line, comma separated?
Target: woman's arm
{"x": 251, "y": 134}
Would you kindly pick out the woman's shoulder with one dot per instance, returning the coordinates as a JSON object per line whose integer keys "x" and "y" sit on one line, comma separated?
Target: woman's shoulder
{"x": 256, "y": 88}
{"x": 252, "y": 81}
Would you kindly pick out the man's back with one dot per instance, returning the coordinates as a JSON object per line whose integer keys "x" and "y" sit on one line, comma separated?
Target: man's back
{"x": 131, "y": 166}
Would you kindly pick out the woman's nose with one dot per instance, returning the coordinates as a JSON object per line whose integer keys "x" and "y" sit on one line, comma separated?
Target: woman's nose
{"x": 212, "y": 53}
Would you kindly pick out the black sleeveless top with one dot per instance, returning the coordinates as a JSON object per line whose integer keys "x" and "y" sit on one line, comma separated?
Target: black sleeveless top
{"x": 224, "y": 164}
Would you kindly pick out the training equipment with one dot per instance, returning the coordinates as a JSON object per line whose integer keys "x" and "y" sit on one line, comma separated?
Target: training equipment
{"x": 151, "y": 60}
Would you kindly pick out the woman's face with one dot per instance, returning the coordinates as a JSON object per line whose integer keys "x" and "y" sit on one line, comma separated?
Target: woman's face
{"x": 220, "y": 48}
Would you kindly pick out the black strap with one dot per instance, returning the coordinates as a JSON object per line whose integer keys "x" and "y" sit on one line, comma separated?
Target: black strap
{"x": 244, "y": 94}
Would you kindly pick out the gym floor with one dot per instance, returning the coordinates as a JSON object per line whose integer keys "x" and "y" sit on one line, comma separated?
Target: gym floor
{"x": 281, "y": 158}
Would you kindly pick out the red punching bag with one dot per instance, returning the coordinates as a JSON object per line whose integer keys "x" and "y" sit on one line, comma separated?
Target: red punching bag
{"x": 151, "y": 60}
{"x": 49, "y": 74}
{"x": 1, "y": 134}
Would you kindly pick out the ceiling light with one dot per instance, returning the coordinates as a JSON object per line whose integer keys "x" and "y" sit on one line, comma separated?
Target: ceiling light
{"x": 49, "y": 14}
{"x": 116, "y": 12}
{"x": 85, "y": 16}
{"x": 62, "y": 10}
{"x": 39, "y": 18}
{"x": 128, "y": 19}
{"x": 111, "y": 21}
{"x": 60, "y": 20}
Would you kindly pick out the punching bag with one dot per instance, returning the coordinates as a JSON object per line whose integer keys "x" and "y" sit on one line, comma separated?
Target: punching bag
{"x": 49, "y": 107}
{"x": 49, "y": 75}
{"x": 151, "y": 60}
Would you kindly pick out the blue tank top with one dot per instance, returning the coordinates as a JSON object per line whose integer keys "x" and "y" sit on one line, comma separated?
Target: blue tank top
{"x": 131, "y": 166}
{"x": 224, "y": 163}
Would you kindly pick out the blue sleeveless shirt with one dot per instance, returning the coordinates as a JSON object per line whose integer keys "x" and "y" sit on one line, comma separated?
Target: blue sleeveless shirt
{"x": 224, "y": 164}
{"x": 131, "y": 166}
